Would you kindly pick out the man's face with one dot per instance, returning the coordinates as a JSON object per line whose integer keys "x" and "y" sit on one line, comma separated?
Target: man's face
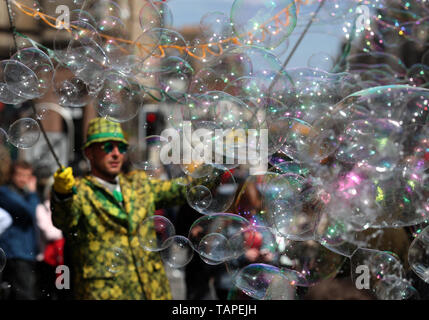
{"x": 21, "y": 177}
{"x": 106, "y": 158}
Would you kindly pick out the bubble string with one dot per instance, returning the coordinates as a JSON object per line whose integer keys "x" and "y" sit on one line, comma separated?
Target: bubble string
{"x": 51, "y": 21}
{"x": 14, "y": 33}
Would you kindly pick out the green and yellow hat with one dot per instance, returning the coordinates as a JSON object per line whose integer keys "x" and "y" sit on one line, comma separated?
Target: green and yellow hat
{"x": 101, "y": 130}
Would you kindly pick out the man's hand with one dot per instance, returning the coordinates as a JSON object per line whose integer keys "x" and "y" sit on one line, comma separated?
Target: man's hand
{"x": 64, "y": 181}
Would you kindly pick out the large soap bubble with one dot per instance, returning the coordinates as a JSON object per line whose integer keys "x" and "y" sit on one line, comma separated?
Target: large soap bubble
{"x": 154, "y": 231}
{"x": 24, "y": 133}
{"x": 418, "y": 255}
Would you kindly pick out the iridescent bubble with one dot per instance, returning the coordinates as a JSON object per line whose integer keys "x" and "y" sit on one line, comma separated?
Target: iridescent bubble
{"x": 206, "y": 80}
{"x": 24, "y": 133}
{"x": 71, "y": 91}
{"x": 154, "y": 231}
{"x": 116, "y": 260}
{"x": 155, "y": 14}
{"x": 263, "y": 23}
{"x": 148, "y": 154}
{"x": 81, "y": 15}
{"x": 216, "y": 28}
{"x": 20, "y": 79}
{"x": 158, "y": 43}
{"x": 199, "y": 197}
{"x": 379, "y": 265}
{"x": 88, "y": 61}
{"x": 309, "y": 259}
{"x": 175, "y": 75}
{"x": 231, "y": 226}
{"x": 418, "y": 255}
{"x": 394, "y": 288}
{"x": 38, "y": 62}
{"x": 178, "y": 251}
{"x": 240, "y": 61}
{"x": 7, "y": 96}
{"x": 222, "y": 187}
{"x": 119, "y": 99}
{"x": 262, "y": 281}
{"x": 214, "y": 248}
{"x": 292, "y": 206}
{"x": 105, "y": 8}
{"x": 335, "y": 233}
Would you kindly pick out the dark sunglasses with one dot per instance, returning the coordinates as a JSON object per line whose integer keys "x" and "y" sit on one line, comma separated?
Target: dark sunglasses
{"x": 108, "y": 147}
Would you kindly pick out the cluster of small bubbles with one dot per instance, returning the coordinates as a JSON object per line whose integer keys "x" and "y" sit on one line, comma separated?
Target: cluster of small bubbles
{"x": 212, "y": 193}
{"x": 220, "y": 237}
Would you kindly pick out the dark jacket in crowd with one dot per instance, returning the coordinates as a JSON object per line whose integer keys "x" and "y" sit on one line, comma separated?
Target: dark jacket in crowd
{"x": 19, "y": 241}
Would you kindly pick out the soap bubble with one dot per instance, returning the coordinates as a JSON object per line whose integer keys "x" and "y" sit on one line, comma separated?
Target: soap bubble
{"x": 199, "y": 197}
{"x": 104, "y": 8}
{"x": 382, "y": 266}
{"x": 119, "y": 99}
{"x": 149, "y": 154}
{"x": 158, "y": 43}
{"x": 311, "y": 260}
{"x": 71, "y": 91}
{"x": 214, "y": 248}
{"x": 418, "y": 255}
{"x": 155, "y": 14}
{"x": 220, "y": 184}
{"x": 116, "y": 260}
{"x": 292, "y": 206}
{"x": 215, "y": 227}
{"x": 394, "y": 288}
{"x": 38, "y": 62}
{"x": 154, "y": 231}
{"x": 217, "y": 29}
{"x": 178, "y": 251}
{"x": 263, "y": 23}
{"x": 19, "y": 79}
{"x": 7, "y": 96}
{"x": 175, "y": 75}
{"x": 24, "y": 133}
{"x": 262, "y": 281}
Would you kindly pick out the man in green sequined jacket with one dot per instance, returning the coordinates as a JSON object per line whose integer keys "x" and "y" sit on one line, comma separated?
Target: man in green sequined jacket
{"x": 101, "y": 217}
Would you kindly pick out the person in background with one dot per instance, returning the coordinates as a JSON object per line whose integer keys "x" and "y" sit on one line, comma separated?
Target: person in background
{"x": 51, "y": 248}
{"x": 19, "y": 241}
